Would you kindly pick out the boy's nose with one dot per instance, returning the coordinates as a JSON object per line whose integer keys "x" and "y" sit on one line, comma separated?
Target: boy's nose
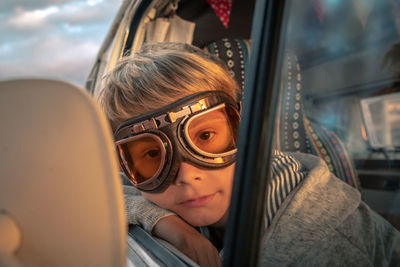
{"x": 188, "y": 174}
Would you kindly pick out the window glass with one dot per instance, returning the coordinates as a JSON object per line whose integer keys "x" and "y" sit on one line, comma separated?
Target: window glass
{"x": 341, "y": 93}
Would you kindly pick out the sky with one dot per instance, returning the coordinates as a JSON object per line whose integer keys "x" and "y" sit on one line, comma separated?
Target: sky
{"x": 56, "y": 39}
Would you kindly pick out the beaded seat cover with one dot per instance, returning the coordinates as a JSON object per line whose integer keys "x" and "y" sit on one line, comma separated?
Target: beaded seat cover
{"x": 294, "y": 131}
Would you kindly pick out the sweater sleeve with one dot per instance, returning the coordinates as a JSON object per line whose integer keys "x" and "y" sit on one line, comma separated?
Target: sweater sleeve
{"x": 141, "y": 211}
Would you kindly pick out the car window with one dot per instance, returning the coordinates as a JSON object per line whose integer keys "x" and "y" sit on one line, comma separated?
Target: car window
{"x": 337, "y": 70}
{"x": 348, "y": 56}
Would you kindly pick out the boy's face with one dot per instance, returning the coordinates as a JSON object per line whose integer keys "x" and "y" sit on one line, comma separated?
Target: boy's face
{"x": 200, "y": 196}
{"x": 196, "y": 181}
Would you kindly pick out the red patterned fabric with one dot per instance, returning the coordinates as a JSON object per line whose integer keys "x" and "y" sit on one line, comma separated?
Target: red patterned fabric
{"x": 223, "y": 10}
{"x": 327, "y": 145}
{"x": 363, "y": 10}
{"x": 319, "y": 9}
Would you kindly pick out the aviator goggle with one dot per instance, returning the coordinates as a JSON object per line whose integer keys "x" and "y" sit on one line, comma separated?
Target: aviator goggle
{"x": 200, "y": 129}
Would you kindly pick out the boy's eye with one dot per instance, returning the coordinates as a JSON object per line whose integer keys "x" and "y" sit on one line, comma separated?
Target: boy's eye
{"x": 206, "y": 135}
{"x": 152, "y": 153}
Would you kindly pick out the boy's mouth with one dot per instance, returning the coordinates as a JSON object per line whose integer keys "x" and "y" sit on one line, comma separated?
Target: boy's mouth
{"x": 198, "y": 202}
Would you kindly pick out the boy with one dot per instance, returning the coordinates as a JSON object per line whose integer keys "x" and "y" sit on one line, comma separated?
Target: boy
{"x": 175, "y": 113}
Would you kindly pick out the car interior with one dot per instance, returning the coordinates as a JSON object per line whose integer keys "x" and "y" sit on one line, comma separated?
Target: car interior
{"x": 337, "y": 57}
{"x": 337, "y": 78}
{"x": 343, "y": 54}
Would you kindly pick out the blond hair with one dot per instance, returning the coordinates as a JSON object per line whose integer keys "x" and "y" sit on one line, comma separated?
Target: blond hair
{"x": 158, "y": 75}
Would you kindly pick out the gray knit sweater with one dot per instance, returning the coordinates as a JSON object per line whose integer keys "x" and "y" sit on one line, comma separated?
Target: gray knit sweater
{"x": 318, "y": 221}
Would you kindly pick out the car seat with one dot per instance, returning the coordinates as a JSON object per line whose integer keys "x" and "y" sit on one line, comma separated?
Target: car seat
{"x": 295, "y": 132}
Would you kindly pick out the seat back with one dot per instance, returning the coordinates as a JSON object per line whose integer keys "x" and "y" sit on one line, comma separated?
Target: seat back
{"x": 59, "y": 178}
{"x": 294, "y": 131}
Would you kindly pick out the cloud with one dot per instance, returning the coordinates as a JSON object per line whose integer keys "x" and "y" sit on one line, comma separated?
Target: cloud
{"x": 32, "y": 19}
{"x": 53, "y": 38}
{"x": 72, "y": 12}
{"x": 54, "y": 57}
{"x": 86, "y": 12}
{"x": 9, "y": 5}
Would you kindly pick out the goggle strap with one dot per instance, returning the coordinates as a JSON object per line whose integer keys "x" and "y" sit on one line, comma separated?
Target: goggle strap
{"x": 161, "y": 121}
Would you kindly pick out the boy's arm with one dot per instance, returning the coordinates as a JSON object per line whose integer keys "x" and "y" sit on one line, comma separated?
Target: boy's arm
{"x": 188, "y": 240}
{"x": 141, "y": 211}
{"x": 166, "y": 225}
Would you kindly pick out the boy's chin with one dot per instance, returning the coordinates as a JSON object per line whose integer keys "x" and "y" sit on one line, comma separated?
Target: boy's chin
{"x": 199, "y": 220}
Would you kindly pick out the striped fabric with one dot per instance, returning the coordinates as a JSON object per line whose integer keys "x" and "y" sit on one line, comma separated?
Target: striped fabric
{"x": 286, "y": 173}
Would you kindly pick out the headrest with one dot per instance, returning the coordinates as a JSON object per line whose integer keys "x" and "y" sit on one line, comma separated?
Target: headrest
{"x": 60, "y": 195}
{"x": 235, "y": 53}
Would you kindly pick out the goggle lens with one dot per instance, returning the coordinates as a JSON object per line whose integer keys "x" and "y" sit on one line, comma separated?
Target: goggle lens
{"x": 142, "y": 157}
{"x": 214, "y": 132}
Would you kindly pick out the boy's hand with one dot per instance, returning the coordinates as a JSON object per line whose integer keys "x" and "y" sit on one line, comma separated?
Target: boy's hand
{"x": 188, "y": 240}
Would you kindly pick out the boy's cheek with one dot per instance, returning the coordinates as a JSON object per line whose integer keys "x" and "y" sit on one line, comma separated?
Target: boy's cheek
{"x": 160, "y": 199}
{"x": 150, "y": 197}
